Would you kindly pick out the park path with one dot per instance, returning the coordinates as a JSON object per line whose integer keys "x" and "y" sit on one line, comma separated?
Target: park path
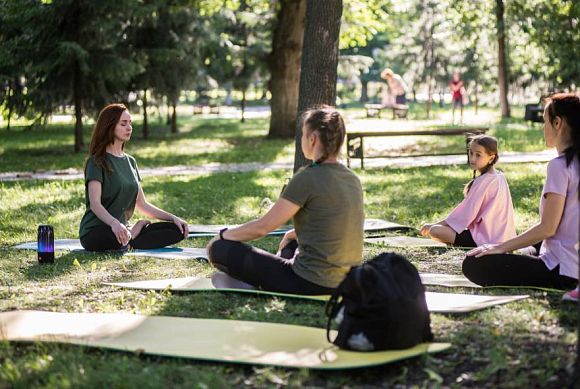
{"x": 423, "y": 161}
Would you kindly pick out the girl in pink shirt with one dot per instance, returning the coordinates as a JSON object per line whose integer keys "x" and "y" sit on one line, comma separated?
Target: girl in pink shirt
{"x": 555, "y": 265}
{"x": 486, "y": 214}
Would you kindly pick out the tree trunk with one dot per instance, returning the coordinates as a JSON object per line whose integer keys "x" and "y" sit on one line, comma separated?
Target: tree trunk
{"x": 502, "y": 76}
{"x": 319, "y": 62}
{"x": 77, "y": 96}
{"x": 243, "y": 105}
{"x": 364, "y": 91}
{"x": 284, "y": 65}
{"x": 173, "y": 116}
{"x": 145, "y": 121}
{"x": 10, "y": 94}
{"x": 476, "y": 97}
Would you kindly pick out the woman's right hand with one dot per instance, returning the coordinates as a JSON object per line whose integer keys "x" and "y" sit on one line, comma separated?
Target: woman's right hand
{"x": 121, "y": 232}
{"x": 289, "y": 236}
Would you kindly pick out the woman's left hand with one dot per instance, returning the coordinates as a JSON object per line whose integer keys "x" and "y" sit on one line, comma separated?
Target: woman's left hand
{"x": 486, "y": 249}
{"x": 181, "y": 224}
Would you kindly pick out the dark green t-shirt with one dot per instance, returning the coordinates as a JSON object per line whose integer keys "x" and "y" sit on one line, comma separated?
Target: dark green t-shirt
{"x": 119, "y": 190}
{"x": 329, "y": 224}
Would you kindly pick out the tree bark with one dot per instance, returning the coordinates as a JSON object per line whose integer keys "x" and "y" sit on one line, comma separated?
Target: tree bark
{"x": 284, "y": 65}
{"x": 145, "y": 121}
{"x": 318, "y": 72}
{"x": 364, "y": 91}
{"x": 502, "y": 76}
{"x": 243, "y": 105}
{"x": 77, "y": 97}
{"x": 174, "y": 116}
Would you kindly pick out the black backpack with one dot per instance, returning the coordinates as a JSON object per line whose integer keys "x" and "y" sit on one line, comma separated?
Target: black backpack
{"x": 380, "y": 305}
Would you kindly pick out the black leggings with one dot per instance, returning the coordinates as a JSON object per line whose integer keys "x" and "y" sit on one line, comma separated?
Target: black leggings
{"x": 152, "y": 236}
{"x": 261, "y": 269}
{"x": 515, "y": 270}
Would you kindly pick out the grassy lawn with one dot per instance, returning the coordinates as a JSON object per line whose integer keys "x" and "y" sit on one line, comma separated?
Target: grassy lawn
{"x": 203, "y": 140}
{"x": 530, "y": 343}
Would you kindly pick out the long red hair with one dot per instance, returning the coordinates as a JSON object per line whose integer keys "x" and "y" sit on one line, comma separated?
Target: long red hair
{"x": 104, "y": 133}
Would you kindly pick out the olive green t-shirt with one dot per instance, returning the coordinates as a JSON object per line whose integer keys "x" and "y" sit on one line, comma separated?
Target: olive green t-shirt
{"x": 329, "y": 224}
{"x": 119, "y": 190}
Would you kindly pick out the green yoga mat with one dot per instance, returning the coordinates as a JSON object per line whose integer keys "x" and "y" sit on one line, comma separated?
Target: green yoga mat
{"x": 404, "y": 241}
{"x": 229, "y": 341}
{"x": 437, "y": 302}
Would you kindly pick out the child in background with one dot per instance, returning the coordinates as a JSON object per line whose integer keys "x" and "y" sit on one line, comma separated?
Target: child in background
{"x": 486, "y": 214}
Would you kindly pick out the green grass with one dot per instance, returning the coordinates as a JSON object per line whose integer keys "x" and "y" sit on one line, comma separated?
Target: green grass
{"x": 500, "y": 345}
{"x": 213, "y": 140}
{"x": 530, "y": 343}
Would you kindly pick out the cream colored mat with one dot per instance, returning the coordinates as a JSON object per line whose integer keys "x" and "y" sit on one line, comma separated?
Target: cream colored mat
{"x": 204, "y": 339}
{"x": 437, "y": 302}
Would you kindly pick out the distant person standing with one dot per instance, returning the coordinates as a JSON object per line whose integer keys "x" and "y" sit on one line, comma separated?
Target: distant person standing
{"x": 397, "y": 88}
{"x": 458, "y": 92}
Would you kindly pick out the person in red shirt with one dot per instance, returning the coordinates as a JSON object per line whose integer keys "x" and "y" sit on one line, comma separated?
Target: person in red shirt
{"x": 458, "y": 91}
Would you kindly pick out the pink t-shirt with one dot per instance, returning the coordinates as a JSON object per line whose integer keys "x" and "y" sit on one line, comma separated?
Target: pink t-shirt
{"x": 487, "y": 210}
{"x": 562, "y": 248}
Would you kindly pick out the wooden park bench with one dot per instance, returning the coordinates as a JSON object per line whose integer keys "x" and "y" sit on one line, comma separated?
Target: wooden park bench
{"x": 399, "y": 110}
{"x": 355, "y": 140}
{"x": 204, "y": 102}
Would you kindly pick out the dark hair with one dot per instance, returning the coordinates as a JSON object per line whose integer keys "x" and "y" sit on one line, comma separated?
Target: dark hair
{"x": 489, "y": 143}
{"x": 567, "y": 107}
{"x": 328, "y": 123}
{"x": 104, "y": 133}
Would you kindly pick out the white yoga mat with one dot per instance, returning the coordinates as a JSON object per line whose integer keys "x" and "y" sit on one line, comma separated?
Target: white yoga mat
{"x": 448, "y": 280}
{"x": 404, "y": 241}
{"x": 437, "y": 302}
{"x": 230, "y": 341}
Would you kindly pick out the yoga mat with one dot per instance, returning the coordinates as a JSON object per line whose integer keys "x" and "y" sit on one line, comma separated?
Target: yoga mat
{"x": 59, "y": 244}
{"x": 437, "y": 302}
{"x": 171, "y": 253}
{"x": 229, "y": 341}
{"x": 449, "y": 280}
{"x": 404, "y": 241}
{"x": 162, "y": 253}
{"x": 370, "y": 225}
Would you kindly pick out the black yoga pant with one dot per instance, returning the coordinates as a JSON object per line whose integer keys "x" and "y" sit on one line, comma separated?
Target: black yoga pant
{"x": 465, "y": 239}
{"x": 515, "y": 270}
{"x": 152, "y": 236}
{"x": 261, "y": 269}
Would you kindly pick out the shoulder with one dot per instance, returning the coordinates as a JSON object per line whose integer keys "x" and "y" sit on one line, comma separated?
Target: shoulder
{"x": 131, "y": 159}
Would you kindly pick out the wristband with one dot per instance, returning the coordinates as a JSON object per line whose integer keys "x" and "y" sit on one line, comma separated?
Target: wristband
{"x": 222, "y": 233}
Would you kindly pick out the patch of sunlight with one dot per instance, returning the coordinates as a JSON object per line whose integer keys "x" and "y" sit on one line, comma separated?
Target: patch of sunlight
{"x": 17, "y": 196}
{"x": 247, "y": 208}
{"x": 185, "y": 147}
{"x": 286, "y": 154}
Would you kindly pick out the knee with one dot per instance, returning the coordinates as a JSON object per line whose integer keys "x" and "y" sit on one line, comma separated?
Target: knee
{"x": 468, "y": 266}
{"x": 217, "y": 253}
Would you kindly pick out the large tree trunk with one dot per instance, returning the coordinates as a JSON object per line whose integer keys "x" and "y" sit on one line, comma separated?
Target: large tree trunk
{"x": 284, "y": 64}
{"x": 319, "y": 63}
{"x": 77, "y": 96}
{"x": 502, "y": 76}
{"x": 145, "y": 121}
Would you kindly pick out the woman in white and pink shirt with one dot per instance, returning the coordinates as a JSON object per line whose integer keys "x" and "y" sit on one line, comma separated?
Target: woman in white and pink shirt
{"x": 486, "y": 214}
{"x": 556, "y": 263}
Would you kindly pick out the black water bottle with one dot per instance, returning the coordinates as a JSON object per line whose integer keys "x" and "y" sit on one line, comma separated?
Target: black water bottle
{"x": 45, "y": 244}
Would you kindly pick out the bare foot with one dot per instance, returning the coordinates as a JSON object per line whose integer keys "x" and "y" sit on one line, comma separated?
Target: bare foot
{"x": 136, "y": 229}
